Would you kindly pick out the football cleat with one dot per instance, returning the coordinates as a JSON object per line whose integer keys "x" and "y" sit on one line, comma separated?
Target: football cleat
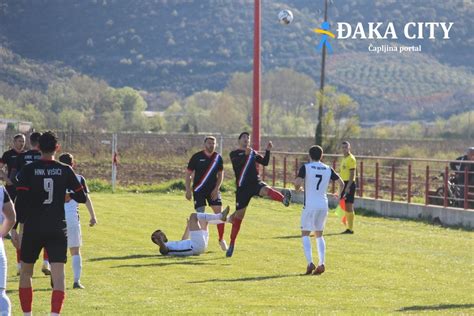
{"x": 348, "y": 231}
{"x": 286, "y": 198}
{"x": 230, "y": 251}
{"x": 310, "y": 268}
{"x": 224, "y": 213}
{"x": 46, "y": 270}
{"x": 223, "y": 245}
{"x": 319, "y": 270}
{"x": 78, "y": 285}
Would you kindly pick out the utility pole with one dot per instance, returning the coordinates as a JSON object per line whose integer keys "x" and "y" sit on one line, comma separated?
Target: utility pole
{"x": 318, "y": 137}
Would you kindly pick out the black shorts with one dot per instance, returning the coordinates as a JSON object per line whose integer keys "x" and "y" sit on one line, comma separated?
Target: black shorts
{"x": 11, "y": 189}
{"x": 244, "y": 194}
{"x": 351, "y": 195}
{"x": 200, "y": 199}
{"x": 55, "y": 244}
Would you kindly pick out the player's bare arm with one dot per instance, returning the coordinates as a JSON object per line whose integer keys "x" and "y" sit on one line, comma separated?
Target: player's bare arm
{"x": 220, "y": 179}
{"x": 341, "y": 187}
{"x": 90, "y": 208}
{"x": 299, "y": 184}
{"x": 187, "y": 181}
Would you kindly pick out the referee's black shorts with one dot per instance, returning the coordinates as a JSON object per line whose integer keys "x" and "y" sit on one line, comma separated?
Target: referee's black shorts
{"x": 245, "y": 193}
{"x": 55, "y": 243}
{"x": 352, "y": 190}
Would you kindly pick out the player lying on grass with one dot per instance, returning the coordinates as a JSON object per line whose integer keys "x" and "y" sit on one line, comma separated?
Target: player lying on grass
{"x": 196, "y": 236}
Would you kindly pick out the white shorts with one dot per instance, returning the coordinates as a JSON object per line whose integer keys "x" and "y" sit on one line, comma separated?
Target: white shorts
{"x": 313, "y": 220}
{"x": 74, "y": 235}
{"x": 199, "y": 240}
{"x": 3, "y": 266}
{"x": 196, "y": 245}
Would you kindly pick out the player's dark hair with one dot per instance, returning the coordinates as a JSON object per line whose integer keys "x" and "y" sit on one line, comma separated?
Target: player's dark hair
{"x": 48, "y": 142}
{"x": 34, "y": 138}
{"x": 18, "y": 136}
{"x": 315, "y": 152}
{"x": 242, "y": 134}
{"x": 209, "y": 137}
{"x": 346, "y": 143}
{"x": 66, "y": 158}
{"x": 158, "y": 231}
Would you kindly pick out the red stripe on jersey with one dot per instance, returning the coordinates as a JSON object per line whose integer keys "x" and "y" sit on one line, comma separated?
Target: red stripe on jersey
{"x": 22, "y": 188}
{"x": 79, "y": 189}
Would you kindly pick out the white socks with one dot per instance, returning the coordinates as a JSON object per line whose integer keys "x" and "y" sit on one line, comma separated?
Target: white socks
{"x": 209, "y": 217}
{"x": 77, "y": 267}
{"x": 321, "y": 249}
{"x": 5, "y": 305}
{"x": 307, "y": 248}
{"x": 321, "y": 245}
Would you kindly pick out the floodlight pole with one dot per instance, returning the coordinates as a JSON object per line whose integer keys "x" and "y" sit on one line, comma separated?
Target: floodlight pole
{"x": 318, "y": 137}
{"x": 256, "y": 76}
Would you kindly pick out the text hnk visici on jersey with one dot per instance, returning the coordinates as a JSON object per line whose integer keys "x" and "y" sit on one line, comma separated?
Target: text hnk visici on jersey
{"x": 379, "y": 30}
{"x": 49, "y": 172}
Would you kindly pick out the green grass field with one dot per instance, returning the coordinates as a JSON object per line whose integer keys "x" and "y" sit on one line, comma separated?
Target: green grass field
{"x": 389, "y": 266}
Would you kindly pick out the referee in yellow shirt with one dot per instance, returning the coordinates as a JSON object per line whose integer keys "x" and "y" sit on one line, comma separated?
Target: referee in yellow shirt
{"x": 347, "y": 173}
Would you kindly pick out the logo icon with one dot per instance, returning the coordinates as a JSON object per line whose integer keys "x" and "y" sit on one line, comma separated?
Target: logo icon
{"x": 325, "y": 26}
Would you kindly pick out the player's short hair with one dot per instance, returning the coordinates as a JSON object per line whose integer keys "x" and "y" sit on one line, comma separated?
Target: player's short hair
{"x": 18, "y": 136}
{"x": 346, "y": 143}
{"x": 66, "y": 158}
{"x": 34, "y": 138}
{"x": 156, "y": 232}
{"x": 48, "y": 142}
{"x": 243, "y": 133}
{"x": 315, "y": 152}
{"x": 209, "y": 137}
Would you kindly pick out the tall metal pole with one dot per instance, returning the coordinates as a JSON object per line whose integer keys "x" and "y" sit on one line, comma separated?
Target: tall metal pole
{"x": 318, "y": 137}
{"x": 256, "y": 76}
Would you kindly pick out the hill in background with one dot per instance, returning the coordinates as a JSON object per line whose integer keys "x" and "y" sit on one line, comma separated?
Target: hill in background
{"x": 188, "y": 46}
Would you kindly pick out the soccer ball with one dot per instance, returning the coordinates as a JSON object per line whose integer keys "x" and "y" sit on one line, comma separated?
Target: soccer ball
{"x": 285, "y": 17}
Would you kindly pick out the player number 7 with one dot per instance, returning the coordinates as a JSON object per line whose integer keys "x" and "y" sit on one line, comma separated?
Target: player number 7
{"x": 320, "y": 177}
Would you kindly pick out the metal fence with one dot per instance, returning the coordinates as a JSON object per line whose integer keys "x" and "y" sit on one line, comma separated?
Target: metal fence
{"x": 424, "y": 181}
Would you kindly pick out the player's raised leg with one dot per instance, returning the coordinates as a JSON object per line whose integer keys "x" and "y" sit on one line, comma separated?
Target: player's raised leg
{"x": 275, "y": 195}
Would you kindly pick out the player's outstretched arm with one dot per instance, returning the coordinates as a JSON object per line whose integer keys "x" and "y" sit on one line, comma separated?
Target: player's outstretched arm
{"x": 265, "y": 160}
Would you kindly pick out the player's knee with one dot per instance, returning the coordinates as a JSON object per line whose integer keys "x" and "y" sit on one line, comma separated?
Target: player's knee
{"x": 200, "y": 209}
{"x": 193, "y": 217}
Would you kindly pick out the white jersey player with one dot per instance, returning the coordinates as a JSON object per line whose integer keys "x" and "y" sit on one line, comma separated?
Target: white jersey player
{"x": 196, "y": 236}
{"x": 74, "y": 234}
{"x": 7, "y": 219}
{"x": 315, "y": 177}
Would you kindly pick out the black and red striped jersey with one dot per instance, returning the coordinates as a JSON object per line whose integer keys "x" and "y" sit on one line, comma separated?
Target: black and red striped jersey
{"x": 245, "y": 166}
{"x": 42, "y": 187}
{"x": 205, "y": 169}
{"x": 9, "y": 158}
